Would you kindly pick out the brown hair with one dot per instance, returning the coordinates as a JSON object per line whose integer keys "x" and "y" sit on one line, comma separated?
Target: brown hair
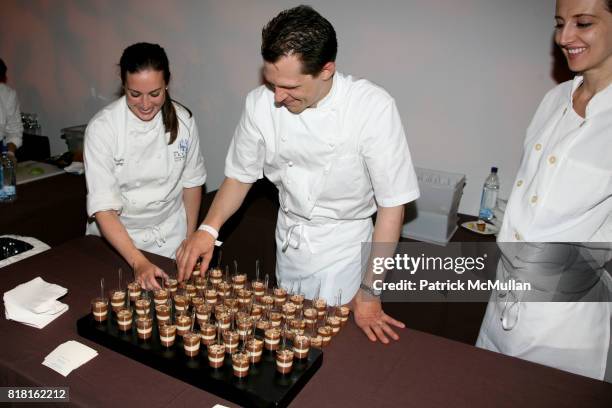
{"x": 301, "y": 31}
{"x": 142, "y": 56}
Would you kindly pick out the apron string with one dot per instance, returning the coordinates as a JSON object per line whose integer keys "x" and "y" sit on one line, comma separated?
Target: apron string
{"x": 155, "y": 233}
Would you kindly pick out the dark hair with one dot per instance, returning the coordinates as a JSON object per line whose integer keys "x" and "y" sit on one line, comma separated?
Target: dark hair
{"x": 301, "y": 31}
{"x": 609, "y": 5}
{"x": 143, "y": 56}
{"x": 2, "y": 71}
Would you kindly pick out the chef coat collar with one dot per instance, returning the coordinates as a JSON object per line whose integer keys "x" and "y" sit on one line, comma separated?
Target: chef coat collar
{"x": 141, "y": 125}
{"x": 328, "y": 101}
{"x": 601, "y": 101}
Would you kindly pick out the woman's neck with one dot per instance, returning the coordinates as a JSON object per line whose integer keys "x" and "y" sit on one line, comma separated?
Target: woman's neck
{"x": 597, "y": 79}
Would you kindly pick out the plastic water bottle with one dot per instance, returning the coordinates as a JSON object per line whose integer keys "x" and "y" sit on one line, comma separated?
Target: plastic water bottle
{"x": 489, "y": 195}
{"x": 9, "y": 181}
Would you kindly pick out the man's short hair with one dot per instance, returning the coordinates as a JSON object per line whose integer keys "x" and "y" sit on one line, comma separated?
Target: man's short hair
{"x": 303, "y": 32}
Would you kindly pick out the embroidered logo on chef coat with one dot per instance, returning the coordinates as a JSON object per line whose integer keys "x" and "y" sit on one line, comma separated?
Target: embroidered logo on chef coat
{"x": 183, "y": 147}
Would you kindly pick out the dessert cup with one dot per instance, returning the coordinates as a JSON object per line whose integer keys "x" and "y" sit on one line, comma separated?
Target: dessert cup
{"x": 272, "y": 338}
{"x": 254, "y": 347}
{"x": 99, "y": 309}
{"x": 167, "y": 334}
{"x": 124, "y": 319}
{"x": 240, "y": 364}
{"x": 134, "y": 291}
{"x": 284, "y": 361}
{"x": 144, "y": 327}
{"x": 163, "y": 313}
{"x": 191, "y": 344}
{"x": 301, "y": 346}
{"x": 216, "y": 355}
{"x": 117, "y": 299}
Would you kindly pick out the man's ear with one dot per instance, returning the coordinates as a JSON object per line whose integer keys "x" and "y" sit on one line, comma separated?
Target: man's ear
{"x": 328, "y": 71}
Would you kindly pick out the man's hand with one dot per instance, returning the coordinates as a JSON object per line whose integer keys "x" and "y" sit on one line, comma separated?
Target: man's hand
{"x": 200, "y": 243}
{"x": 374, "y": 322}
{"x": 145, "y": 273}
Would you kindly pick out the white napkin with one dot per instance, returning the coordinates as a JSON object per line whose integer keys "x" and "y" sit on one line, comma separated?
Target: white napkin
{"x": 34, "y": 303}
{"x": 75, "y": 168}
{"x": 69, "y": 356}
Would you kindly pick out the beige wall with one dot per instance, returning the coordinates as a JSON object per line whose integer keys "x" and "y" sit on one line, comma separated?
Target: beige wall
{"x": 467, "y": 74}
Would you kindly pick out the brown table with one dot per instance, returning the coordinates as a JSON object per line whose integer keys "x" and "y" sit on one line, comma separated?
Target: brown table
{"x": 51, "y": 210}
{"x": 420, "y": 370}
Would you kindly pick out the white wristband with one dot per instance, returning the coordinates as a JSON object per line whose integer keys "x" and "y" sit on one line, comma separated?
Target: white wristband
{"x": 212, "y": 231}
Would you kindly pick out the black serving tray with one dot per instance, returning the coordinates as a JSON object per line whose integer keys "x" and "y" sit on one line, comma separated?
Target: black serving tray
{"x": 263, "y": 387}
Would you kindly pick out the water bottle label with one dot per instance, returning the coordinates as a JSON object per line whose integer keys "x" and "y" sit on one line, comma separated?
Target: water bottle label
{"x": 485, "y": 214}
{"x": 9, "y": 190}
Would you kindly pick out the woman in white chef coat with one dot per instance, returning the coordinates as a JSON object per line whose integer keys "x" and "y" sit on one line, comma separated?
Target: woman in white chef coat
{"x": 563, "y": 193}
{"x": 143, "y": 165}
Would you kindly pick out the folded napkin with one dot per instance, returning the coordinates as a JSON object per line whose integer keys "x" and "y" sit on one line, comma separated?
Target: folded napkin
{"x": 75, "y": 168}
{"x": 68, "y": 356}
{"x": 34, "y": 303}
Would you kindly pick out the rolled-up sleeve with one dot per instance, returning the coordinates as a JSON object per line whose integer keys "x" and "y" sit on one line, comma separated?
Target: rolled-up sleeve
{"x": 102, "y": 186}
{"x": 387, "y": 157}
{"x": 13, "y": 127}
{"x": 245, "y": 158}
{"x": 194, "y": 174}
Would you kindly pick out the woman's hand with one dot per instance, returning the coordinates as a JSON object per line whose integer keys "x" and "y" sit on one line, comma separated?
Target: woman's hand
{"x": 371, "y": 318}
{"x": 146, "y": 273}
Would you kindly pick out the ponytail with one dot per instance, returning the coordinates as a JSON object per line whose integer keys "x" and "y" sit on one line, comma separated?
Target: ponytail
{"x": 170, "y": 118}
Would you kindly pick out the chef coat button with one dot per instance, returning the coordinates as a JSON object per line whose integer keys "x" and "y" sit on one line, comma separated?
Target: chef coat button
{"x": 332, "y": 145}
{"x": 137, "y": 184}
{"x": 161, "y": 181}
{"x": 538, "y": 147}
{"x": 534, "y": 199}
{"x": 290, "y": 163}
{"x": 286, "y": 209}
{"x": 288, "y": 182}
{"x": 519, "y": 183}
{"x": 552, "y": 159}
{"x": 517, "y": 236}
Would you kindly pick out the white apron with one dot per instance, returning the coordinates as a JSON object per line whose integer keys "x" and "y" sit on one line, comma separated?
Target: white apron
{"x": 318, "y": 251}
{"x": 569, "y": 335}
{"x": 321, "y": 252}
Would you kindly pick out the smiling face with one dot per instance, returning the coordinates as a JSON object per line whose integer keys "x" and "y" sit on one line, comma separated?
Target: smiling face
{"x": 145, "y": 93}
{"x": 293, "y": 89}
{"x": 584, "y": 33}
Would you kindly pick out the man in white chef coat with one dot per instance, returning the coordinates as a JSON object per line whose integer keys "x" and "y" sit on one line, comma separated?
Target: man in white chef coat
{"x": 335, "y": 148}
{"x": 11, "y": 128}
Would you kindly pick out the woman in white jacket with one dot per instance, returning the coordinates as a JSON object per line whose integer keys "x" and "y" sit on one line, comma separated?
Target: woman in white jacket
{"x": 143, "y": 165}
{"x": 563, "y": 193}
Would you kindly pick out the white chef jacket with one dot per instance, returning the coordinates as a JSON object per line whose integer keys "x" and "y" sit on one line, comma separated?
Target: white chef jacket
{"x": 562, "y": 193}
{"x": 11, "y": 128}
{"x": 332, "y": 165}
{"x": 130, "y": 168}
